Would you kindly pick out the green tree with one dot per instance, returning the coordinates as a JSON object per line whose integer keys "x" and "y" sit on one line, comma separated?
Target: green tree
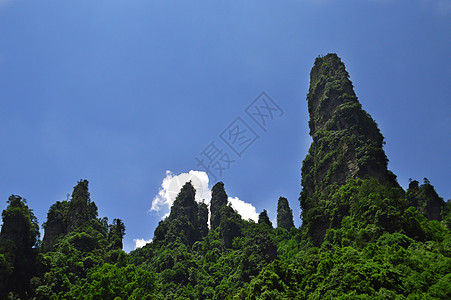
{"x": 113, "y": 281}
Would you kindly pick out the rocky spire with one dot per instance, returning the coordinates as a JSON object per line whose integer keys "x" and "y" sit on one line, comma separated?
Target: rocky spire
{"x": 264, "y": 219}
{"x": 18, "y": 236}
{"x": 218, "y": 200}
{"x": 187, "y": 221}
{"x": 66, "y": 216}
{"x": 284, "y": 214}
{"x": 346, "y": 140}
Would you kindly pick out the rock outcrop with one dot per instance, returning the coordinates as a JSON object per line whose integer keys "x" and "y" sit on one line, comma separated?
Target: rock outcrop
{"x": 218, "y": 201}
{"x": 66, "y": 216}
{"x": 284, "y": 214}
{"x": 346, "y": 142}
{"x": 56, "y": 224}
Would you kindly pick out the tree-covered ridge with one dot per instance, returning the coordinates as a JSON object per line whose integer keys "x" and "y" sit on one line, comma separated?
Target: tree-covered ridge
{"x": 362, "y": 235}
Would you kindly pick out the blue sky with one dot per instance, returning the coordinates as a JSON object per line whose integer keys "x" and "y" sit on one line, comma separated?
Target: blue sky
{"x": 120, "y": 92}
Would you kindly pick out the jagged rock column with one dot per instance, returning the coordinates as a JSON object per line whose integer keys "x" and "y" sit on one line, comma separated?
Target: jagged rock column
{"x": 346, "y": 143}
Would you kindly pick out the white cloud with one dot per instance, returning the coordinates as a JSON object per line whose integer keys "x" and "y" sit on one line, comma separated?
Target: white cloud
{"x": 246, "y": 210}
{"x": 171, "y": 186}
{"x": 141, "y": 243}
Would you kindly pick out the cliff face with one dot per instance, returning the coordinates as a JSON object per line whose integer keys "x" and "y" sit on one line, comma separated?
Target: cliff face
{"x": 346, "y": 142}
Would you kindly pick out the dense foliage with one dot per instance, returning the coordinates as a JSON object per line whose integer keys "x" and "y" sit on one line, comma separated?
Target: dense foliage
{"x": 362, "y": 235}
